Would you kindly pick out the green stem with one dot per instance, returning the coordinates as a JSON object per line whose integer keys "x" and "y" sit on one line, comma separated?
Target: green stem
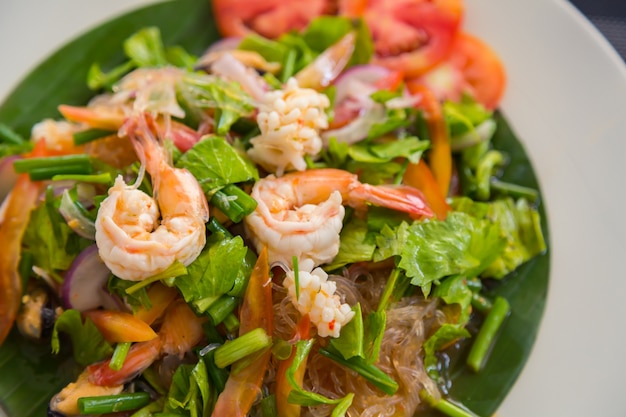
{"x": 231, "y": 322}
{"x": 113, "y": 403}
{"x": 221, "y": 308}
{"x": 228, "y": 205}
{"x": 484, "y": 171}
{"x": 8, "y": 135}
{"x": 289, "y": 67}
{"x": 481, "y": 303}
{"x": 370, "y": 372}
{"x": 29, "y": 164}
{"x": 175, "y": 270}
{"x": 514, "y": 190}
{"x": 119, "y": 355}
{"x": 216, "y": 227}
{"x": 89, "y": 135}
{"x": 104, "y": 178}
{"x": 150, "y": 409}
{"x": 487, "y": 333}
{"x": 445, "y": 406}
{"x": 40, "y": 174}
{"x": 246, "y": 344}
{"x": 219, "y": 376}
{"x": 385, "y": 299}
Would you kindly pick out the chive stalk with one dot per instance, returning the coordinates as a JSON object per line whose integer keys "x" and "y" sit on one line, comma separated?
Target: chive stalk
{"x": 119, "y": 355}
{"x": 296, "y": 276}
{"x": 26, "y": 165}
{"x": 8, "y": 135}
{"x": 215, "y": 226}
{"x": 113, "y": 403}
{"x": 233, "y": 202}
{"x": 487, "y": 333}
{"x": 221, "y": 308}
{"x": 245, "y": 345}
{"x": 104, "y": 178}
{"x": 444, "y": 406}
{"x": 289, "y": 67}
{"x": 231, "y": 322}
{"x": 370, "y": 372}
{"x": 481, "y": 303}
{"x": 89, "y": 135}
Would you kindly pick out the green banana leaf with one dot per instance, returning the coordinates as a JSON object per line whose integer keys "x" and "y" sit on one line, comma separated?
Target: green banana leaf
{"x": 30, "y": 375}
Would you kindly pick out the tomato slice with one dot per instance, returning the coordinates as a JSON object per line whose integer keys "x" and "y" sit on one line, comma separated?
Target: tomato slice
{"x": 411, "y": 35}
{"x": 482, "y": 69}
{"x": 473, "y": 67}
{"x": 269, "y": 18}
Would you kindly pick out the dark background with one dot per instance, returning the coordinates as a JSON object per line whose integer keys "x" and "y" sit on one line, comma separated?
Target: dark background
{"x": 609, "y": 16}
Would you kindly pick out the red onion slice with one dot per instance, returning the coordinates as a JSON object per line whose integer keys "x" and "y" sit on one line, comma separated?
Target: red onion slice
{"x": 84, "y": 283}
{"x": 358, "y": 81}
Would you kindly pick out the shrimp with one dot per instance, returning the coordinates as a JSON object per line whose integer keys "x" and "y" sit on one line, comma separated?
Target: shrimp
{"x": 301, "y": 213}
{"x": 130, "y": 240}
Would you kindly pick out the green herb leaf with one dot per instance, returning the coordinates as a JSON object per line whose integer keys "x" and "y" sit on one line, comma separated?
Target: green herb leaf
{"x": 88, "y": 345}
{"x": 215, "y": 271}
{"x": 215, "y": 163}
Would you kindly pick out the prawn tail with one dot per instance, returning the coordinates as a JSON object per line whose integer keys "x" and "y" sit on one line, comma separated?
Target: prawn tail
{"x": 142, "y": 130}
{"x": 397, "y": 197}
{"x": 139, "y": 358}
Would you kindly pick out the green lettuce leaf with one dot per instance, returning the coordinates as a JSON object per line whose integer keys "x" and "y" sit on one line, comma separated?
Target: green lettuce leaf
{"x": 459, "y": 245}
{"x": 216, "y": 163}
{"x": 88, "y": 345}
{"x": 519, "y": 224}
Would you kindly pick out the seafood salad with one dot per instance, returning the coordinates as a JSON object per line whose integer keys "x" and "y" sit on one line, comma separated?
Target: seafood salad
{"x": 305, "y": 218}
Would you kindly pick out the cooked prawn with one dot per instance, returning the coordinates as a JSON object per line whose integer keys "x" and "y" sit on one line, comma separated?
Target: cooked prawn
{"x": 301, "y": 213}
{"x": 131, "y": 240}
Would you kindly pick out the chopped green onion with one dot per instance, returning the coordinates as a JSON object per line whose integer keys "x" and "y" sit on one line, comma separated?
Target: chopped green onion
{"x": 119, "y": 356}
{"x": 231, "y": 322}
{"x": 104, "y": 178}
{"x": 484, "y": 171}
{"x": 289, "y": 67}
{"x": 487, "y": 333}
{"x": 106, "y": 404}
{"x": 89, "y": 135}
{"x": 8, "y": 135}
{"x": 245, "y": 345}
{"x": 221, "y": 308}
{"x": 444, "y": 406}
{"x": 481, "y": 303}
{"x": 29, "y": 164}
{"x": 296, "y": 276}
{"x": 216, "y": 227}
{"x": 370, "y": 372}
{"x": 231, "y": 205}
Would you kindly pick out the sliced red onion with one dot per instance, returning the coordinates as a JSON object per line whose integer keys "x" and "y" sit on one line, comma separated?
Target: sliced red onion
{"x": 224, "y": 44}
{"x": 84, "y": 283}
{"x": 8, "y": 176}
{"x": 358, "y": 81}
{"x": 231, "y": 68}
{"x": 75, "y": 219}
{"x": 358, "y": 128}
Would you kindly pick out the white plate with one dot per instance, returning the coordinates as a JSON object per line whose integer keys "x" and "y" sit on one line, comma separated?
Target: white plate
{"x": 567, "y": 101}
